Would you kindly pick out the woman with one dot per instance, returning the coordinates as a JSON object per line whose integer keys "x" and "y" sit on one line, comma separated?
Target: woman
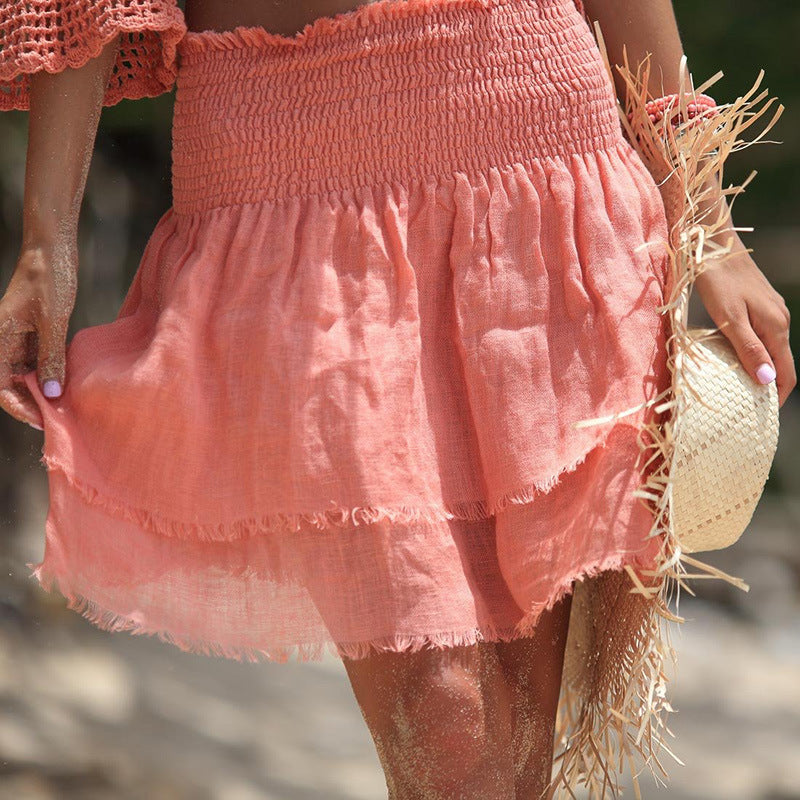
{"x": 404, "y": 256}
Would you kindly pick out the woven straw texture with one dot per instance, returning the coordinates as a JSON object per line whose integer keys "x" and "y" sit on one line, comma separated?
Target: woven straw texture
{"x": 728, "y": 442}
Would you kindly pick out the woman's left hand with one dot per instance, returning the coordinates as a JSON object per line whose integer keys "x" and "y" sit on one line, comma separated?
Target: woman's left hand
{"x": 738, "y": 296}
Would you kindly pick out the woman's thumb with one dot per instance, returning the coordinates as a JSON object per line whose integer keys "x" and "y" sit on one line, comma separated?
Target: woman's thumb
{"x": 51, "y": 362}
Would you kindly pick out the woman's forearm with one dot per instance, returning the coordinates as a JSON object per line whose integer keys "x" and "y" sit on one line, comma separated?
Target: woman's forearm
{"x": 64, "y": 113}
{"x": 651, "y": 27}
{"x": 642, "y": 26}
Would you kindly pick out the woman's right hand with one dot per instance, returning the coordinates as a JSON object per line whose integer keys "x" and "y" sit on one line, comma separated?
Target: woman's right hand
{"x": 35, "y": 310}
{"x": 34, "y": 316}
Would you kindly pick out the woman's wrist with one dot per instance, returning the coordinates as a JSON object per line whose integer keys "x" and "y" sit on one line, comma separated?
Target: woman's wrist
{"x": 47, "y": 231}
{"x": 42, "y": 258}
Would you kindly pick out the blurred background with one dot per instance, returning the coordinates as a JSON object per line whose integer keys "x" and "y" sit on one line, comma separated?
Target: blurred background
{"x": 87, "y": 714}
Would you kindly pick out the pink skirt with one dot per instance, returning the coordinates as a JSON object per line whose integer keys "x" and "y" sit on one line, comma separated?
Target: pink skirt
{"x": 409, "y": 248}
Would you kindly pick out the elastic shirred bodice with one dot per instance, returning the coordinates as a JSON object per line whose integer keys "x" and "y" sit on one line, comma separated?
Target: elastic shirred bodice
{"x": 481, "y": 86}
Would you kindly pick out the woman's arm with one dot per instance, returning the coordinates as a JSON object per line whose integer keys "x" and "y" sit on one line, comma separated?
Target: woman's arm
{"x": 64, "y": 113}
{"x": 62, "y": 126}
{"x": 738, "y": 298}
{"x": 642, "y": 27}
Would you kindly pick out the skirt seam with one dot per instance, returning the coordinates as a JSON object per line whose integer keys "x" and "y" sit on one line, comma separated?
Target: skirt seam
{"x": 190, "y": 210}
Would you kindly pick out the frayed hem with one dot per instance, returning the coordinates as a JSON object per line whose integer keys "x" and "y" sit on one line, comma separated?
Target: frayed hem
{"x": 335, "y": 517}
{"x": 614, "y": 562}
{"x": 114, "y": 622}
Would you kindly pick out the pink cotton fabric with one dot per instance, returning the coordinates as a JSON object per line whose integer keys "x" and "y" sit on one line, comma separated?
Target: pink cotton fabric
{"x": 408, "y": 248}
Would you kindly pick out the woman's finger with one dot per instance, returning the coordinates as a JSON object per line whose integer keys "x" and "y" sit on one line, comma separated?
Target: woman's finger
{"x": 20, "y": 404}
{"x": 16, "y": 358}
{"x": 51, "y": 367}
{"x": 16, "y": 399}
{"x": 787, "y": 376}
{"x": 52, "y": 323}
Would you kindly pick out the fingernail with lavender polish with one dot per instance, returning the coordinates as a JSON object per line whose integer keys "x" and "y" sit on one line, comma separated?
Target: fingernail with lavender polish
{"x": 765, "y": 373}
{"x": 51, "y": 389}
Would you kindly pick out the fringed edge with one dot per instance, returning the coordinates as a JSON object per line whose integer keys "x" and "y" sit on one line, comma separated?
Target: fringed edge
{"x": 345, "y": 21}
{"x": 334, "y": 517}
{"x": 627, "y": 724}
{"x": 114, "y": 622}
{"x": 616, "y": 561}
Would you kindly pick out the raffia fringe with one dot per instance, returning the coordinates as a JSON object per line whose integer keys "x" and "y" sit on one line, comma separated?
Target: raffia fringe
{"x": 627, "y": 725}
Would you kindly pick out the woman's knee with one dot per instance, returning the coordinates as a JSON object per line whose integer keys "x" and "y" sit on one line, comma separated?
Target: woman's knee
{"x": 424, "y": 688}
{"x": 441, "y": 717}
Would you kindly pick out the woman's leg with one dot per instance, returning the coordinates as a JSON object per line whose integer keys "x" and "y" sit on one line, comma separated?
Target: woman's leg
{"x": 532, "y": 667}
{"x": 440, "y": 720}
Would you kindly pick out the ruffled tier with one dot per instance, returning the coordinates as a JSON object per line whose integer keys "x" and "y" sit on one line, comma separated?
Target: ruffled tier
{"x": 355, "y": 589}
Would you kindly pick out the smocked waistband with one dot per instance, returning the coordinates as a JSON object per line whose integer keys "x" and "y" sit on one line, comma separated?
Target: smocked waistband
{"x": 389, "y": 92}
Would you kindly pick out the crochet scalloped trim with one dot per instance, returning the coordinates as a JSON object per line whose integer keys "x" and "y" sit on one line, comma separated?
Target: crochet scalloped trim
{"x": 37, "y": 39}
{"x": 171, "y": 31}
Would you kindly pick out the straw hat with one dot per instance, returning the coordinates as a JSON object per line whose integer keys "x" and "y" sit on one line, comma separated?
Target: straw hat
{"x": 720, "y": 440}
{"x": 712, "y": 452}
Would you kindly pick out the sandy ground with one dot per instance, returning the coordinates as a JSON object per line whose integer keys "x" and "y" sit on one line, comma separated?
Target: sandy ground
{"x": 86, "y": 715}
